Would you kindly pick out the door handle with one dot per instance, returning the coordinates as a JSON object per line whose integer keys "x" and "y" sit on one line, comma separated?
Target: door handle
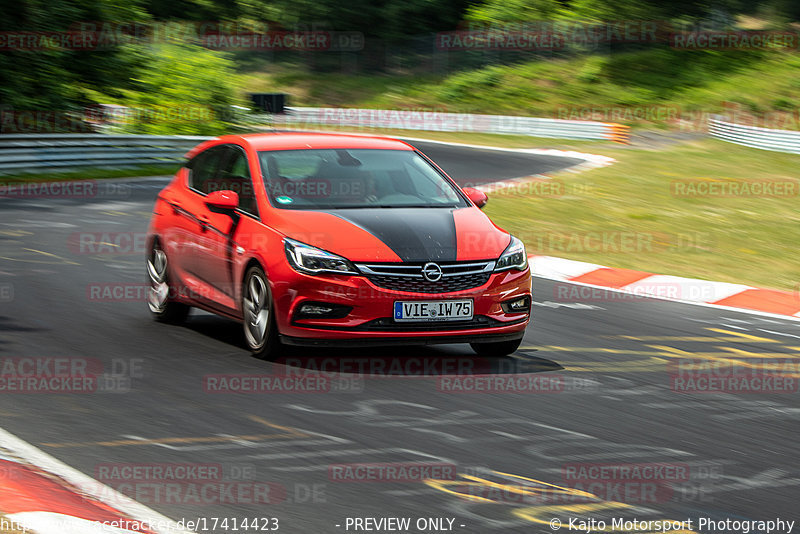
{"x": 204, "y": 221}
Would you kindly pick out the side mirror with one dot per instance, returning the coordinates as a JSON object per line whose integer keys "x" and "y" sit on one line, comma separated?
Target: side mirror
{"x": 223, "y": 200}
{"x": 478, "y": 198}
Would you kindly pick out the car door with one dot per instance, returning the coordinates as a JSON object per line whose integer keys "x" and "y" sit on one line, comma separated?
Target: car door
{"x": 227, "y": 231}
{"x": 190, "y": 235}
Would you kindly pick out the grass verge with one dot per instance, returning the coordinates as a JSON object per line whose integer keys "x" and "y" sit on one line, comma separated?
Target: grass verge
{"x": 638, "y": 214}
{"x": 90, "y": 174}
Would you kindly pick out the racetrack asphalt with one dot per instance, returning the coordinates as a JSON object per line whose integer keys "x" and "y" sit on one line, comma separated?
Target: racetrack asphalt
{"x": 602, "y": 368}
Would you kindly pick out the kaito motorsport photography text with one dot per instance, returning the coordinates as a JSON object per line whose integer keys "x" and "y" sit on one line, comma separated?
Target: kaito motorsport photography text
{"x": 703, "y": 524}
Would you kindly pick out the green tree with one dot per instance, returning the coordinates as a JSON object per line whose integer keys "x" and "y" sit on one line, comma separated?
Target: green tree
{"x": 503, "y": 11}
{"x": 390, "y": 20}
{"x": 184, "y": 89}
{"x": 60, "y": 77}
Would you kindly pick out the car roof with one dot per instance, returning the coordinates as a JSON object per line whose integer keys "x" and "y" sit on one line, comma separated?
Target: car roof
{"x": 314, "y": 140}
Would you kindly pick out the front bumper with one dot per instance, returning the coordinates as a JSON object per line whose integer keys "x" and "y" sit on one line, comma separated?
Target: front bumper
{"x": 370, "y": 320}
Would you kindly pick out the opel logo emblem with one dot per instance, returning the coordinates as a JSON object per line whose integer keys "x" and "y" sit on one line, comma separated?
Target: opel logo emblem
{"x": 432, "y": 272}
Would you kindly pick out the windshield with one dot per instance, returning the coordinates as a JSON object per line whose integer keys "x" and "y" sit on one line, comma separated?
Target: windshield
{"x": 356, "y": 178}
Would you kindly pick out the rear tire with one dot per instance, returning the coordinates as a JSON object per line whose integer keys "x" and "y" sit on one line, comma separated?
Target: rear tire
{"x": 161, "y": 307}
{"x": 258, "y": 317}
{"x": 497, "y": 349}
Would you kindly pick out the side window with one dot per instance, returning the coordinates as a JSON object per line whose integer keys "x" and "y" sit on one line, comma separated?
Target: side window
{"x": 235, "y": 176}
{"x": 204, "y": 168}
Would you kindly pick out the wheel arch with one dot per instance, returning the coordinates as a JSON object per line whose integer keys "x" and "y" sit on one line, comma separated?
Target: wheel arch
{"x": 151, "y": 240}
{"x": 253, "y": 261}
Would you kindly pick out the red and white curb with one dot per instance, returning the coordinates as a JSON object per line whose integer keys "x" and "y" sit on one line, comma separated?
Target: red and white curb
{"x": 691, "y": 290}
{"x": 42, "y": 495}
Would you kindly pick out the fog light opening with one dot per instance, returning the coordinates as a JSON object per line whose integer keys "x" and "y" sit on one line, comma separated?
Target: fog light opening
{"x": 312, "y": 309}
{"x": 322, "y": 310}
{"x": 517, "y": 305}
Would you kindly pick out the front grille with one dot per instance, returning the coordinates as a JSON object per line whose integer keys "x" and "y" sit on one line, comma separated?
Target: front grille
{"x": 407, "y": 277}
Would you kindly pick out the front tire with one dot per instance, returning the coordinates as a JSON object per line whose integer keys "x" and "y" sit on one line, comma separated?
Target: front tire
{"x": 161, "y": 307}
{"x": 497, "y": 349}
{"x": 260, "y": 330}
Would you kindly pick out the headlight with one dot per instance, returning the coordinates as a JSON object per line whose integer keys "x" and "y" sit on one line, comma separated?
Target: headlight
{"x": 312, "y": 260}
{"x": 513, "y": 257}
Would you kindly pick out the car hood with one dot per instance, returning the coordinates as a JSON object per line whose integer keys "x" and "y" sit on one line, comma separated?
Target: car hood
{"x": 397, "y": 234}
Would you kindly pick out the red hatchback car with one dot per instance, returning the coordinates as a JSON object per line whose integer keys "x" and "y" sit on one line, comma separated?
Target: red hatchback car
{"x": 326, "y": 239}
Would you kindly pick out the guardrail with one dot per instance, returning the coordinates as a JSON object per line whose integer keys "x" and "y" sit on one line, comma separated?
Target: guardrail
{"x": 455, "y": 122}
{"x": 21, "y": 153}
{"x": 755, "y": 136}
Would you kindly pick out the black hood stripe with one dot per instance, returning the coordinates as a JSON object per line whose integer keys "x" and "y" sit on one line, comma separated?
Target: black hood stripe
{"x": 414, "y": 234}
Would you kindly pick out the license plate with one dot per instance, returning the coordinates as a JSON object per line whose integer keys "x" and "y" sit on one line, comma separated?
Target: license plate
{"x": 433, "y": 310}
